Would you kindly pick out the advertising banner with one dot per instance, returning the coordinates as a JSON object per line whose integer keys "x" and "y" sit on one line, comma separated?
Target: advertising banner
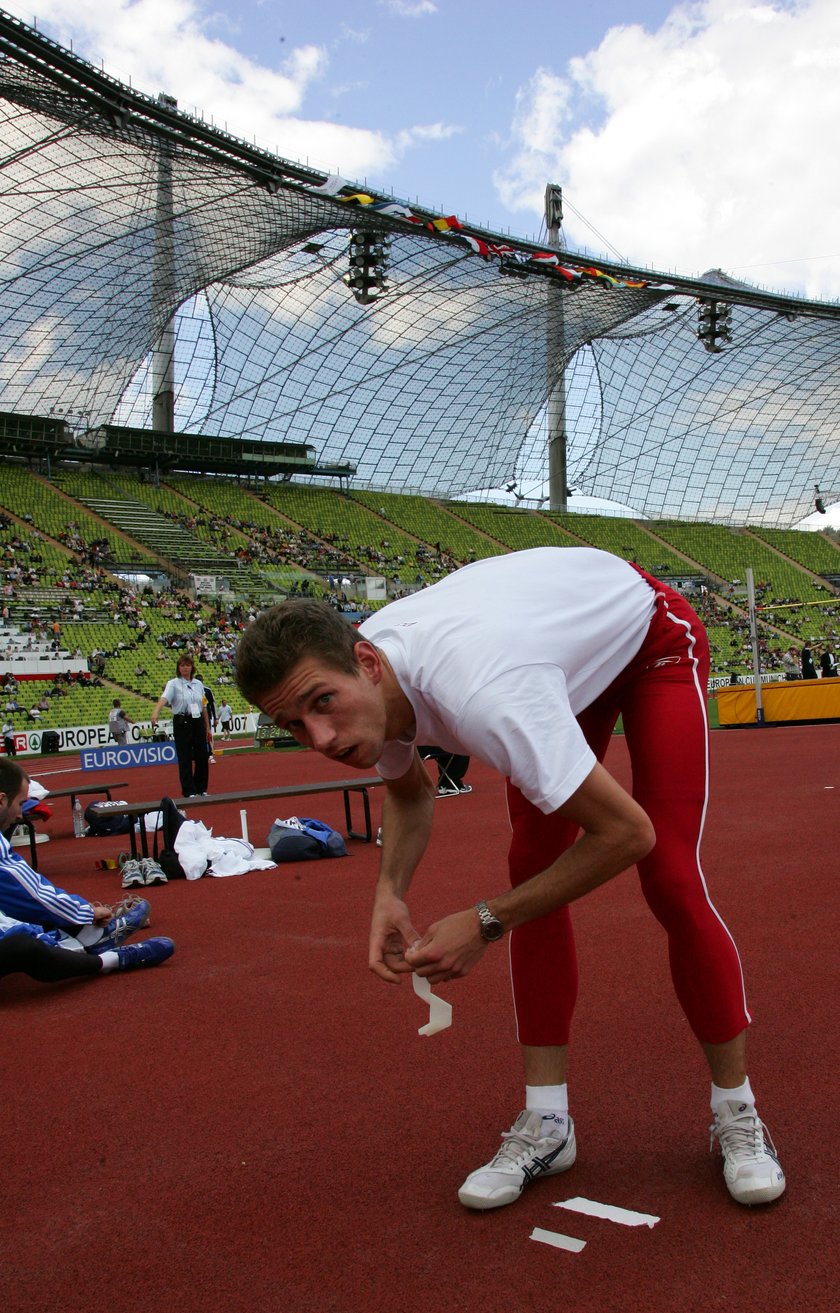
{"x": 29, "y": 742}
{"x": 137, "y": 754}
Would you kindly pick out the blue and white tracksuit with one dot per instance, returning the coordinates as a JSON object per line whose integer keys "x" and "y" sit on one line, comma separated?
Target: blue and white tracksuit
{"x": 27, "y": 897}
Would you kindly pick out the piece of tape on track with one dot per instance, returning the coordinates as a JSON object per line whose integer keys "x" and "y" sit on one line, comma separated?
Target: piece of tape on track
{"x": 440, "y": 1012}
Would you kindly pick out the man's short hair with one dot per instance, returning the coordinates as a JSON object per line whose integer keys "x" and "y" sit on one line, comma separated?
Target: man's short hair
{"x": 12, "y": 777}
{"x": 280, "y": 637}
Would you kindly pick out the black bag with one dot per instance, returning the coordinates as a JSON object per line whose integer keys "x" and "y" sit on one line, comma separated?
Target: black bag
{"x": 98, "y": 825}
{"x": 167, "y": 858}
{"x": 301, "y": 839}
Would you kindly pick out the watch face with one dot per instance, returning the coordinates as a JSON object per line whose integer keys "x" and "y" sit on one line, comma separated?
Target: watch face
{"x": 491, "y": 926}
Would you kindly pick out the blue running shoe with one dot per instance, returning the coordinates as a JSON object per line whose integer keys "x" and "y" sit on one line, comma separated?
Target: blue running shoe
{"x": 128, "y": 919}
{"x": 150, "y": 953}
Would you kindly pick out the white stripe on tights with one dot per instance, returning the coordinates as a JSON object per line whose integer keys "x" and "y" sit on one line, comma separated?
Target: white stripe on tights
{"x": 686, "y": 625}
{"x": 510, "y": 963}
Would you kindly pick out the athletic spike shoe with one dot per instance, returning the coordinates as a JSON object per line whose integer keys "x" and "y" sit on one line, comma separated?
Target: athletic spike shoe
{"x": 525, "y": 1155}
{"x": 751, "y": 1168}
{"x": 123, "y": 925}
{"x": 149, "y": 953}
{"x": 152, "y": 872}
{"x": 132, "y": 876}
{"x": 128, "y": 904}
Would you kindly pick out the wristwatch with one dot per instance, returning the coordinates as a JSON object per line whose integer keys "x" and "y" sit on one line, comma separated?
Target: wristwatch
{"x": 491, "y": 927}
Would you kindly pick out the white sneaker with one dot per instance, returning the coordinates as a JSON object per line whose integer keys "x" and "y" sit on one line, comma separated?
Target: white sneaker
{"x": 152, "y": 871}
{"x": 525, "y": 1154}
{"x": 751, "y": 1169}
{"x": 132, "y": 876}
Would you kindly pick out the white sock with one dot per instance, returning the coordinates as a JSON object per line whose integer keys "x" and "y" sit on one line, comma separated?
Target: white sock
{"x": 88, "y": 935}
{"x": 110, "y": 960}
{"x": 740, "y": 1094}
{"x": 552, "y": 1103}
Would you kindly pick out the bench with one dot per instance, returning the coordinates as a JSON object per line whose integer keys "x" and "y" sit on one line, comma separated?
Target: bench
{"x": 77, "y": 791}
{"x": 81, "y": 790}
{"x": 139, "y": 810}
{"x": 26, "y": 823}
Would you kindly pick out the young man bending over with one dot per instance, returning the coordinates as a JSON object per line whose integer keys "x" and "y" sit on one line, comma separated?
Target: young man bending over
{"x": 525, "y": 661}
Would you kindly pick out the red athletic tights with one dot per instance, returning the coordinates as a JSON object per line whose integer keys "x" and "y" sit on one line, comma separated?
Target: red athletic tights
{"x": 661, "y": 696}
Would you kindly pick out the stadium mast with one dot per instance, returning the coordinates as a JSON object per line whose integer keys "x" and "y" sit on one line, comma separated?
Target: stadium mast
{"x": 163, "y": 278}
{"x": 555, "y": 353}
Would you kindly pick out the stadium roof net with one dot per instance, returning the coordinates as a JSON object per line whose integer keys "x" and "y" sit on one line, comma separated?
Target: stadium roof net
{"x": 121, "y": 215}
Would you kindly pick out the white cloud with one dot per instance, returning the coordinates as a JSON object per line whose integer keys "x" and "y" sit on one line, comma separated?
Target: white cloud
{"x": 430, "y": 132}
{"x": 172, "y": 46}
{"x": 410, "y": 8}
{"x": 697, "y": 145}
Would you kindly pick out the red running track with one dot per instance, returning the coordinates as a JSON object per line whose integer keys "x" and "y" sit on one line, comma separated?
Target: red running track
{"x": 257, "y": 1126}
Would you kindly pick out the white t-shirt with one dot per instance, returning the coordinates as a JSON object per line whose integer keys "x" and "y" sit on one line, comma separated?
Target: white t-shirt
{"x": 499, "y": 658}
{"x": 184, "y": 696}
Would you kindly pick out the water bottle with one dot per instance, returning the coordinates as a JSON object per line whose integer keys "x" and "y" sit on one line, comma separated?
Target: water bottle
{"x": 78, "y": 820}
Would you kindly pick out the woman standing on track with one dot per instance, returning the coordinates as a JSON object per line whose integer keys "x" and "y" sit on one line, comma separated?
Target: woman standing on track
{"x": 190, "y": 726}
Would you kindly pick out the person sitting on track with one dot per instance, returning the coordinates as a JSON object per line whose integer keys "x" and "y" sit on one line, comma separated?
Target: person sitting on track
{"x": 51, "y": 955}
{"x": 525, "y": 661}
{"x": 28, "y": 898}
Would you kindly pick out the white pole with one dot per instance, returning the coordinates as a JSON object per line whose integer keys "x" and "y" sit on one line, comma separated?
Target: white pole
{"x": 555, "y": 347}
{"x": 243, "y": 816}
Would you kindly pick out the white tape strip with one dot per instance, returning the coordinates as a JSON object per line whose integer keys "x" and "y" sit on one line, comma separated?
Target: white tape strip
{"x": 626, "y": 1216}
{"x": 440, "y": 1012}
{"x": 557, "y": 1240}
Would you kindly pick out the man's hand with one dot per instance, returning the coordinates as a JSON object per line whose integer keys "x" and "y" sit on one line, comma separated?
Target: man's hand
{"x": 391, "y": 933}
{"x": 449, "y": 949}
{"x": 102, "y": 913}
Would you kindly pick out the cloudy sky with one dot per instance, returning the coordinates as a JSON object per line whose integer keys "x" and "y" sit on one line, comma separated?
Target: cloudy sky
{"x": 685, "y": 136}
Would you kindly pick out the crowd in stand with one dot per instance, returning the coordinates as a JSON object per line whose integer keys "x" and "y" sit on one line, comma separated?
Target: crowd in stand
{"x": 212, "y": 629}
{"x": 774, "y": 654}
{"x": 327, "y": 553}
{"x": 96, "y": 552}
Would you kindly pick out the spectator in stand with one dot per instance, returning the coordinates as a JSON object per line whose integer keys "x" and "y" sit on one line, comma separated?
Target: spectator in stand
{"x": 809, "y": 670}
